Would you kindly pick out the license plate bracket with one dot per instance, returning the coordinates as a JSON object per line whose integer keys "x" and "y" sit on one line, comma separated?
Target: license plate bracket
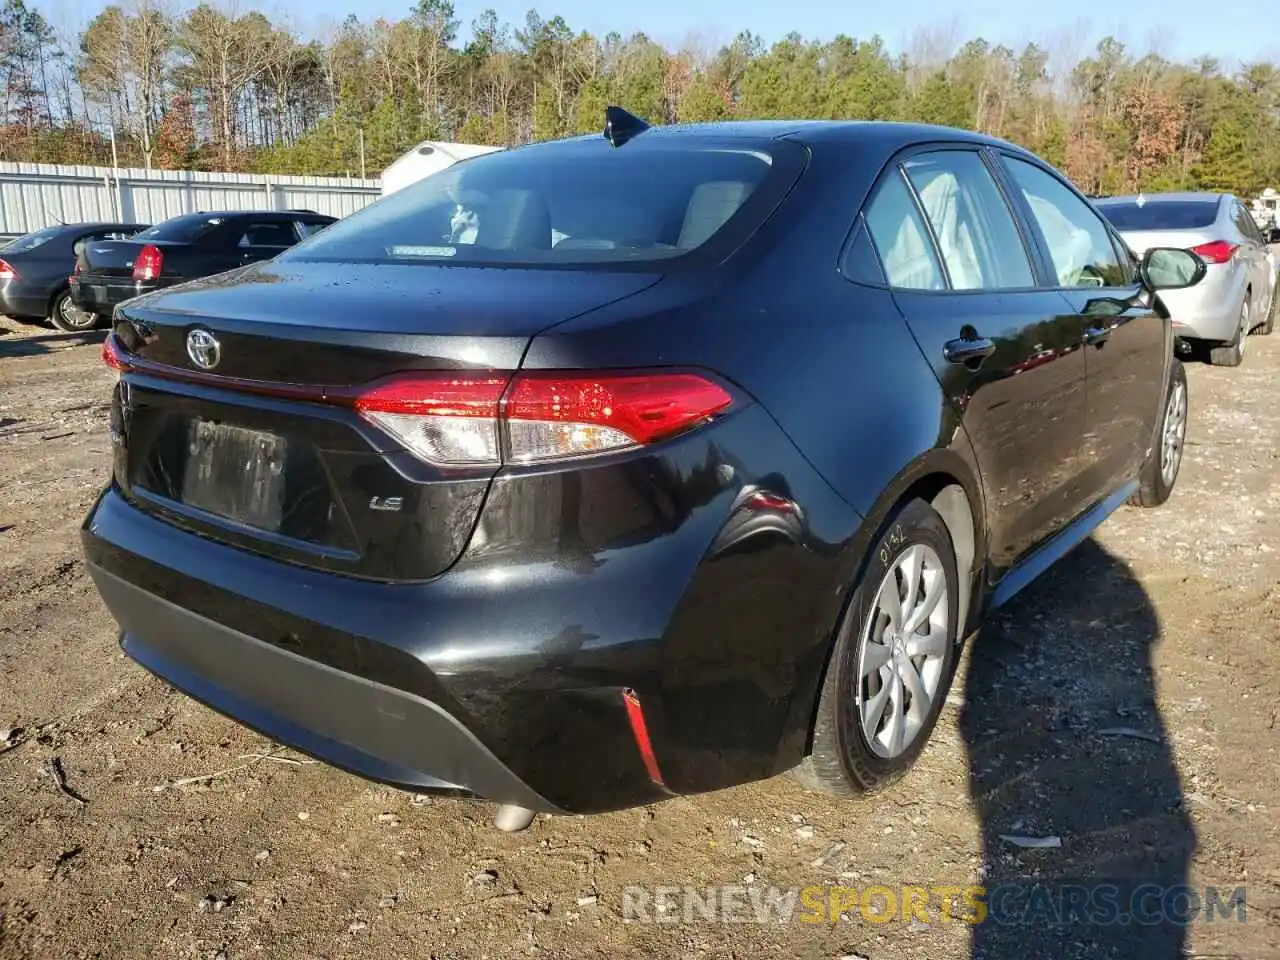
{"x": 235, "y": 473}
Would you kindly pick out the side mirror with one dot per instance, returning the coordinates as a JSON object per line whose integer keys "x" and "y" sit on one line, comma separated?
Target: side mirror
{"x": 1169, "y": 268}
{"x": 1273, "y": 235}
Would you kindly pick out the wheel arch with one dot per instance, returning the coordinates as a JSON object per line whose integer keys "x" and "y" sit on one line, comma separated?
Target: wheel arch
{"x": 59, "y": 288}
{"x": 947, "y": 481}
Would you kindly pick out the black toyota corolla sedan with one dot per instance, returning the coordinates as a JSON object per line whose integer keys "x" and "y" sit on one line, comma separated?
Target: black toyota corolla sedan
{"x": 599, "y": 471}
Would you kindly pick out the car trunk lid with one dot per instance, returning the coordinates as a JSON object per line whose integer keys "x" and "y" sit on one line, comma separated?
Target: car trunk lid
{"x": 236, "y": 415}
{"x": 116, "y": 258}
{"x": 1140, "y": 241}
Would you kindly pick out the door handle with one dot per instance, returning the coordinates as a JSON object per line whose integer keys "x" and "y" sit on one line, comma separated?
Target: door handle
{"x": 968, "y": 351}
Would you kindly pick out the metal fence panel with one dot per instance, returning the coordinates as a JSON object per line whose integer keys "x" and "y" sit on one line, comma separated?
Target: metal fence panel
{"x": 35, "y": 195}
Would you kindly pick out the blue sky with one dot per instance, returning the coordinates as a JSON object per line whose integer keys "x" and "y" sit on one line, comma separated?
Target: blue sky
{"x": 1232, "y": 30}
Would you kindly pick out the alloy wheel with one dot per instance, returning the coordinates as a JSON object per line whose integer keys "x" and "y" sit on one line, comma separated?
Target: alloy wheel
{"x": 902, "y": 651}
{"x": 73, "y": 316}
{"x": 1174, "y": 434}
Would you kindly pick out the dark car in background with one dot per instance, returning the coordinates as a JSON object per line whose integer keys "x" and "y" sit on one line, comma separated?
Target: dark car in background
{"x": 691, "y": 460}
{"x": 35, "y": 269}
{"x": 184, "y": 248}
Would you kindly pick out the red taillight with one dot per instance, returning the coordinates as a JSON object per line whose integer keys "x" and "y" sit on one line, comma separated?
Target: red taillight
{"x": 112, "y": 355}
{"x": 7, "y": 272}
{"x": 1216, "y": 251}
{"x": 556, "y": 415}
{"x": 150, "y": 261}
{"x": 763, "y": 500}
{"x": 77, "y": 271}
{"x": 449, "y": 420}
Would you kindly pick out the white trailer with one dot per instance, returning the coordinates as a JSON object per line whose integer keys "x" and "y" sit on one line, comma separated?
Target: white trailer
{"x": 428, "y": 157}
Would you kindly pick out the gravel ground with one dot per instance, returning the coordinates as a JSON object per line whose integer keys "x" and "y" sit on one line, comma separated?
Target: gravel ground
{"x": 1165, "y": 626}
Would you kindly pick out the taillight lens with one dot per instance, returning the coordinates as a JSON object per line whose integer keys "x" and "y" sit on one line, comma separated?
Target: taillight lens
{"x": 112, "y": 355}
{"x": 444, "y": 419}
{"x": 554, "y": 416}
{"x": 7, "y": 272}
{"x": 148, "y": 264}
{"x": 450, "y": 420}
{"x": 77, "y": 270}
{"x": 1216, "y": 251}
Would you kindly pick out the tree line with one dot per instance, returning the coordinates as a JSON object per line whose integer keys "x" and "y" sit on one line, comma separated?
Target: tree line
{"x": 207, "y": 88}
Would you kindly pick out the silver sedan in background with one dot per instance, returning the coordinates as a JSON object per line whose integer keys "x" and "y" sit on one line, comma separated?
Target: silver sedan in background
{"x": 1237, "y": 295}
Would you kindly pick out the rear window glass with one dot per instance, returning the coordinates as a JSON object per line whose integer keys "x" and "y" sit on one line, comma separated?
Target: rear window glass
{"x": 1160, "y": 214}
{"x": 181, "y": 229}
{"x": 33, "y": 240}
{"x": 570, "y": 203}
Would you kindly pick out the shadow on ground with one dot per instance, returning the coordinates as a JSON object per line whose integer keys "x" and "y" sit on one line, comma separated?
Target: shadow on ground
{"x": 1065, "y": 740}
{"x": 47, "y": 343}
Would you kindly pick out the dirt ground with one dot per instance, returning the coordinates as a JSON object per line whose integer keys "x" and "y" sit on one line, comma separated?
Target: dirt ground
{"x": 1166, "y": 626}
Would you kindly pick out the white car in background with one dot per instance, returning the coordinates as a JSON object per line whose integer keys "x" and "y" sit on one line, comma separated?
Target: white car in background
{"x": 1237, "y": 295}
{"x": 428, "y": 157}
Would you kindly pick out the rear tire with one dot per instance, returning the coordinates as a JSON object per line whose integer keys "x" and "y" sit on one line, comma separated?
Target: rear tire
{"x": 1232, "y": 354}
{"x": 882, "y": 661}
{"x": 67, "y": 317}
{"x": 1160, "y": 471}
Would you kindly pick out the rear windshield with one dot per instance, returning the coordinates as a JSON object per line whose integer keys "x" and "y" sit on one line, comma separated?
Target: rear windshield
{"x": 1160, "y": 214}
{"x": 181, "y": 229}
{"x": 570, "y": 203}
{"x": 33, "y": 240}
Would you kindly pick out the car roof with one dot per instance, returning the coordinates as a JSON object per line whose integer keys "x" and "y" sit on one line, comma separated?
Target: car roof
{"x": 264, "y": 214}
{"x": 888, "y": 135}
{"x": 89, "y": 225}
{"x": 1183, "y": 196}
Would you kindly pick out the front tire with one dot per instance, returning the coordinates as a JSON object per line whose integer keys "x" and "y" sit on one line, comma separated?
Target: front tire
{"x": 1160, "y": 470}
{"x": 893, "y": 660}
{"x": 67, "y": 317}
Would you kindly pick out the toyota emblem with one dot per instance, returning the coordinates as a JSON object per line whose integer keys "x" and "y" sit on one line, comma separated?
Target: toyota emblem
{"x": 203, "y": 349}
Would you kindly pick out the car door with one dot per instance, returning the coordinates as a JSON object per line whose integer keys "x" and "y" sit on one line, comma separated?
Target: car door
{"x": 1005, "y": 351}
{"x": 1253, "y": 247}
{"x": 1127, "y": 343}
{"x": 264, "y": 239}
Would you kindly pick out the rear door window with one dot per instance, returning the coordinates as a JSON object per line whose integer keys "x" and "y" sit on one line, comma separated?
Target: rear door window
{"x": 1244, "y": 223}
{"x": 270, "y": 234}
{"x": 306, "y": 228}
{"x": 976, "y": 232}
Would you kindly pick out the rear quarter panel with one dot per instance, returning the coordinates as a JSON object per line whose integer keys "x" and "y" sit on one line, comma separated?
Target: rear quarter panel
{"x": 833, "y": 364}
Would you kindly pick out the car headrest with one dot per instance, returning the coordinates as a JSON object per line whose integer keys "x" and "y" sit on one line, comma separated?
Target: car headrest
{"x": 515, "y": 220}
{"x": 710, "y": 206}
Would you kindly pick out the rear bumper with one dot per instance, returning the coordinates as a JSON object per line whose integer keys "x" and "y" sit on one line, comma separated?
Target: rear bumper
{"x": 103, "y": 294}
{"x": 1211, "y": 309}
{"x": 504, "y": 677}
{"x": 18, "y": 299}
{"x": 357, "y": 724}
